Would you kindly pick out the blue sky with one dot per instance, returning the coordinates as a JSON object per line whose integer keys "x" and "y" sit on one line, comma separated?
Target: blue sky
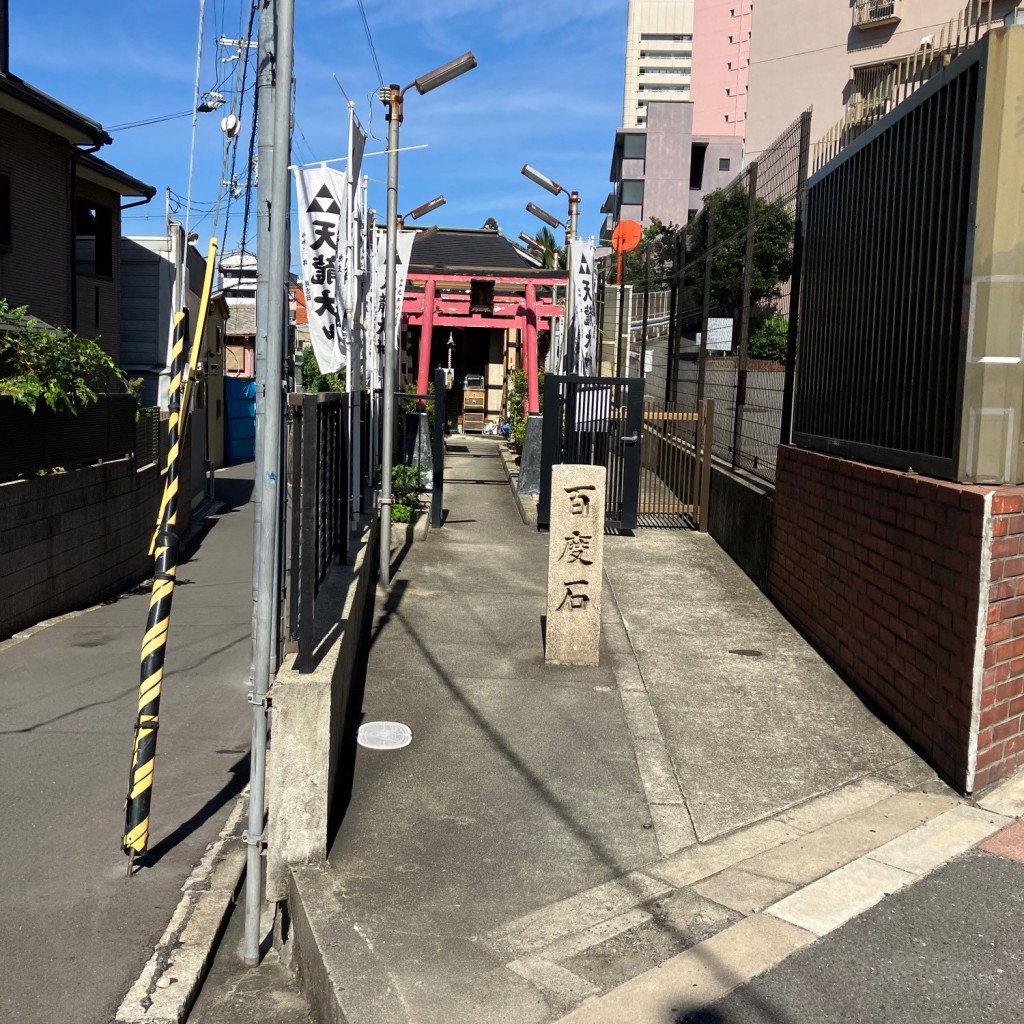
{"x": 548, "y": 91}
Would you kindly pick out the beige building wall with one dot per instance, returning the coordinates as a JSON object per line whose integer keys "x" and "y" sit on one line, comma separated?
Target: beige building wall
{"x": 808, "y": 53}
{"x": 659, "y": 56}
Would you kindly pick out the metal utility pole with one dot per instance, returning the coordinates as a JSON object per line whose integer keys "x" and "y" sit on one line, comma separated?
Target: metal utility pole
{"x": 275, "y": 63}
{"x": 394, "y": 101}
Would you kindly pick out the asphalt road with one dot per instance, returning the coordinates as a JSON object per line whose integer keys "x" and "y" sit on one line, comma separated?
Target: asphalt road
{"x": 948, "y": 949}
{"x": 76, "y": 933}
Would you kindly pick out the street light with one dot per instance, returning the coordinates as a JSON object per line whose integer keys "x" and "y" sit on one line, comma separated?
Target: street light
{"x": 548, "y": 218}
{"x": 571, "y": 227}
{"x": 555, "y": 189}
{"x": 532, "y": 242}
{"x": 422, "y": 211}
{"x": 393, "y": 97}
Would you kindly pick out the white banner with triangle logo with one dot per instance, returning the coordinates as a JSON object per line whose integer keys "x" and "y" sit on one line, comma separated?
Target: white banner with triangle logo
{"x": 322, "y": 240}
{"x": 583, "y": 328}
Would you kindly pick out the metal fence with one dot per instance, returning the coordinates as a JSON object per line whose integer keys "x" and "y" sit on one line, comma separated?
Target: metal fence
{"x": 882, "y": 342}
{"x": 675, "y": 475}
{"x": 735, "y": 295}
{"x": 319, "y": 456}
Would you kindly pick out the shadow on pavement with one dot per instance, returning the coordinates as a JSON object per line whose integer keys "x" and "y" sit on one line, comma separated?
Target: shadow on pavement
{"x": 239, "y": 776}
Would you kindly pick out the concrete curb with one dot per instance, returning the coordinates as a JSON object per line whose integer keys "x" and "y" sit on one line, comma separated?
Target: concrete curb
{"x": 712, "y": 969}
{"x": 526, "y": 504}
{"x": 168, "y": 985}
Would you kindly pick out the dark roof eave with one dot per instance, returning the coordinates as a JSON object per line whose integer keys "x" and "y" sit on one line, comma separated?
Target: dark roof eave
{"x": 482, "y": 273}
{"x": 84, "y": 129}
{"x": 106, "y": 174}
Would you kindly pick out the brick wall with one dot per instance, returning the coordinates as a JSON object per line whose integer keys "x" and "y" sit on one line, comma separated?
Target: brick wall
{"x": 914, "y": 589}
{"x": 1001, "y": 720}
{"x": 68, "y": 540}
{"x": 36, "y": 271}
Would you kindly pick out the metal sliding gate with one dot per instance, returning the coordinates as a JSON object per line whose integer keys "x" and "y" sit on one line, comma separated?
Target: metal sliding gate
{"x": 596, "y": 421}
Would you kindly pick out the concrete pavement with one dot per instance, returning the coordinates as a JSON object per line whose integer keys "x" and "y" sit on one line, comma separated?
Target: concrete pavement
{"x": 76, "y": 933}
{"x": 626, "y": 843}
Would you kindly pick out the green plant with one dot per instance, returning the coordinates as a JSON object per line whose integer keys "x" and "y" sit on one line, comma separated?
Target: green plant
{"x": 52, "y": 366}
{"x": 406, "y": 482}
{"x": 770, "y": 339}
{"x": 772, "y": 248}
{"x": 515, "y": 400}
{"x": 314, "y": 381}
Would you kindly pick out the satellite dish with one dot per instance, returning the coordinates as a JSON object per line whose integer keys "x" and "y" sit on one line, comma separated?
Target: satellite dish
{"x": 230, "y": 125}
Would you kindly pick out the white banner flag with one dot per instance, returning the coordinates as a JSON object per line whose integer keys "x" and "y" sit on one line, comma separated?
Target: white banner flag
{"x": 320, "y": 194}
{"x": 583, "y": 327}
{"x": 404, "y": 254}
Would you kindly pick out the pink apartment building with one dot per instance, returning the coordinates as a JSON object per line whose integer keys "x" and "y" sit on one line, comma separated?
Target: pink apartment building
{"x": 827, "y": 53}
{"x": 684, "y": 108}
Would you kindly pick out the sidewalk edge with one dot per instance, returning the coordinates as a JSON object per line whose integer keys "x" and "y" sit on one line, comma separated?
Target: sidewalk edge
{"x": 169, "y": 983}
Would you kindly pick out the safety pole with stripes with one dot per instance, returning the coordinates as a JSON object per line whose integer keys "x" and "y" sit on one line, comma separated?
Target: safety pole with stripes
{"x": 154, "y": 643}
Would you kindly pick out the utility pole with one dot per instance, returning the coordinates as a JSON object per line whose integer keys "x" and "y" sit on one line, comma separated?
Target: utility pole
{"x": 394, "y": 101}
{"x": 275, "y": 76}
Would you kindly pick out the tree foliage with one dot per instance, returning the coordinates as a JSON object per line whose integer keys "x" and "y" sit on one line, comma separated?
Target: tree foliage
{"x": 52, "y": 366}
{"x": 660, "y": 241}
{"x": 769, "y": 339}
{"x": 773, "y": 248}
{"x": 553, "y": 253}
{"x": 314, "y": 381}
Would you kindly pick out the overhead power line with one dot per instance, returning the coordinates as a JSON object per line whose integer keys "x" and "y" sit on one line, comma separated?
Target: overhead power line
{"x": 369, "y": 39}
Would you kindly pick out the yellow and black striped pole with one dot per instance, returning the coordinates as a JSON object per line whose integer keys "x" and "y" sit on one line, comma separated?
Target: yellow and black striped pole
{"x": 165, "y": 549}
{"x": 154, "y": 643}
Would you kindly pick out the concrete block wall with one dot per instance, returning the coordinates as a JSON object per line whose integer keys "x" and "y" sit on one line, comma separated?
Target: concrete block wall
{"x": 904, "y": 583}
{"x": 68, "y": 540}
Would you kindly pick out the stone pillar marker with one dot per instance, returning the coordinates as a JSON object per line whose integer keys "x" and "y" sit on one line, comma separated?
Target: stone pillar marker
{"x": 575, "y": 565}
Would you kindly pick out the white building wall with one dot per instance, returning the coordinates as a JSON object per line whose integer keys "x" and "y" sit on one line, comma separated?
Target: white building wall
{"x": 659, "y": 53}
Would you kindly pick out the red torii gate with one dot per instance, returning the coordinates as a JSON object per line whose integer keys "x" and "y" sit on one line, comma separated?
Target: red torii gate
{"x": 446, "y": 302}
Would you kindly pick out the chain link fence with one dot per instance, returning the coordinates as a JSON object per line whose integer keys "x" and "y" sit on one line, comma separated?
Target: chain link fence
{"x": 735, "y": 307}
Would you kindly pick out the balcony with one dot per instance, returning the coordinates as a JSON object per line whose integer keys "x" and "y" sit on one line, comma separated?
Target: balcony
{"x": 877, "y": 13}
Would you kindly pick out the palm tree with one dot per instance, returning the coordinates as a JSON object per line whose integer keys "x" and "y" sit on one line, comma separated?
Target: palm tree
{"x": 554, "y": 254}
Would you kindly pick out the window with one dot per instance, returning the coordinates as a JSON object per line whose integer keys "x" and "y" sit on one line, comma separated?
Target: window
{"x": 697, "y": 155}
{"x": 5, "y": 210}
{"x": 724, "y": 164}
{"x": 634, "y": 147}
{"x": 662, "y": 37}
{"x": 94, "y": 238}
{"x": 632, "y": 193}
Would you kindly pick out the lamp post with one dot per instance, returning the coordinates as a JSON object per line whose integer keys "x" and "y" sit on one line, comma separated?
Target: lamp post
{"x": 571, "y": 233}
{"x": 393, "y": 98}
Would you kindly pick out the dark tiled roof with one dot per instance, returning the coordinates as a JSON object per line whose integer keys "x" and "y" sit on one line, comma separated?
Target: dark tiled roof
{"x": 467, "y": 251}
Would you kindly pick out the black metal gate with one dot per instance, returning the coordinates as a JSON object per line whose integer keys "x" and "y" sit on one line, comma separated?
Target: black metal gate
{"x": 595, "y": 421}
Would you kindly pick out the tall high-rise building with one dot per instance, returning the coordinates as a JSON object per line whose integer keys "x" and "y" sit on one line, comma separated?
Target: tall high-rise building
{"x": 659, "y": 56}
{"x": 683, "y": 108}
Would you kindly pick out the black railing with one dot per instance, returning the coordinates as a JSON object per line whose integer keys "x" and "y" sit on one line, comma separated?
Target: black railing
{"x": 890, "y": 226}
{"x": 595, "y": 421}
{"x": 319, "y": 507}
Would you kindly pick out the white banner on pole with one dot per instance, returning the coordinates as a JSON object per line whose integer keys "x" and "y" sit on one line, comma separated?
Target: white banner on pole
{"x": 583, "y": 326}
{"x": 405, "y": 240}
{"x": 320, "y": 194}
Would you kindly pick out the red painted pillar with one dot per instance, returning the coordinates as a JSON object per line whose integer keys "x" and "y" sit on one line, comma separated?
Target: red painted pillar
{"x": 426, "y": 336}
{"x": 530, "y": 350}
